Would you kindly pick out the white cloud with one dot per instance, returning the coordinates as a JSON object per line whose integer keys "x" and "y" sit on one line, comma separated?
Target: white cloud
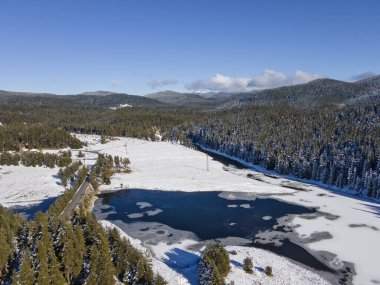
{"x": 362, "y": 76}
{"x": 115, "y": 83}
{"x": 159, "y": 83}
{"x": 271, "y": 78}
{"x": 219, "y": 83}
{"x": 268, "y": 79}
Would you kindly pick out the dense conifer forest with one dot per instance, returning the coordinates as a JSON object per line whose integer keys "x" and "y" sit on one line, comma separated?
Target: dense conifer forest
{"x": 15, "y": 137}
{"x": 338, "y": 146}
{"x": 51, "y": 249}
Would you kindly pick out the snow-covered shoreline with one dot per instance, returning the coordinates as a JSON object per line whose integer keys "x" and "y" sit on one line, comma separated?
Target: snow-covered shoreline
{"x": 354, "y": 232}
{"x": 164, "y": 259}
{"x": 260, "y": 169}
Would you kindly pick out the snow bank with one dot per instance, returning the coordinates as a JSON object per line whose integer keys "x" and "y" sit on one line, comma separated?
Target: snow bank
{"x": 158, "y": 265}
{"x": 284, "y": 272}
{"x": 179, "y": 265}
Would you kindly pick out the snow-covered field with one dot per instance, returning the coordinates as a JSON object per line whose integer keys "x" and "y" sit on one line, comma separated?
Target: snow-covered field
{"x": 167, "y": 166}
{"x": 26, "y": 186}
{"x": 172, "y": 167}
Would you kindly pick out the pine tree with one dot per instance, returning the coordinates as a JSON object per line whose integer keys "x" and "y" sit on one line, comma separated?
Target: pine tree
{"x": 117, "y": 162}
{"x": 56, "y": 277}
{"x": 80, "y": 250}
{"x": 101, "y": 268}
{"x": 26, "y": 274}
{"x": 247, "y": 265}
{"x": 219, "y": 255}
{"x": 208, "y": 273}
{"x": 43, "y": 270}
{"x": 268, "y": 271}
{"x": 103, "y": 139}
{"x": 159, "y": 280}
{"x": 144, "y": 273}
{"x": 5, "y": 251}
{"x": 69, "y": 255}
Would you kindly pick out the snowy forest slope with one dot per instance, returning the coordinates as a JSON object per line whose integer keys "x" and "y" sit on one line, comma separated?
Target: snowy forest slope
{"x": 315, "y": 94}
{"x": 340, "y": 148}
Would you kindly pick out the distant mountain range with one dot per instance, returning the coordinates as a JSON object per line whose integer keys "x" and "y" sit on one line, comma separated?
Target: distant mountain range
{"x": 88, "y": 99}
{"x": 315, "y": 94}
{"x": 207, "y": 100}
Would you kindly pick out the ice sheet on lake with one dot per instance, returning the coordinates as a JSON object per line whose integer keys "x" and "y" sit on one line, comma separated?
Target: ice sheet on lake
{"x": 143, "y": 205}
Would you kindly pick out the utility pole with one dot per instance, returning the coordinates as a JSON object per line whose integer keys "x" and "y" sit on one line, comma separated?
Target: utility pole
{"x": 126, "y": 138}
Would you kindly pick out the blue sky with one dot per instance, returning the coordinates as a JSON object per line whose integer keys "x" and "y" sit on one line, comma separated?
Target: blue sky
{"x": 143, "y": 46}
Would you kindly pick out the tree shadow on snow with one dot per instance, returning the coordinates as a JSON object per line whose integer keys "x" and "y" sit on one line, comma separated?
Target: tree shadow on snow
{"x": 28, "y": 212}
{"x": 236, "y": 263}
{"x": 371, "y": 209}
{"x": 183, "y": 262}
{"x": 55, "y": 176}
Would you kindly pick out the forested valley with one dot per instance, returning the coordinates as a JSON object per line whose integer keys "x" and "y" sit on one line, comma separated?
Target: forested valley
{"x": 338, "y": 146}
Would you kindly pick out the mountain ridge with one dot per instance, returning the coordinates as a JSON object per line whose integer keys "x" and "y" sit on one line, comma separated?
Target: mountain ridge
{"x": 323, "y": 92}
{"x": 87, "y": 100}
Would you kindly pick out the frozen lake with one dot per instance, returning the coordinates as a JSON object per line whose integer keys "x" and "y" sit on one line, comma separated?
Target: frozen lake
{"x": 342, "y": 233}
{"x": 169, "y": 217}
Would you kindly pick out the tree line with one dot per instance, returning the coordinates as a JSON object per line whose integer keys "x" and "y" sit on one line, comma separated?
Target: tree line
{"x": 36, "y": 158}
{"x": 15, "y": 137}
{"x": 138, "y": 122}
{"x": 338, "y": 147}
